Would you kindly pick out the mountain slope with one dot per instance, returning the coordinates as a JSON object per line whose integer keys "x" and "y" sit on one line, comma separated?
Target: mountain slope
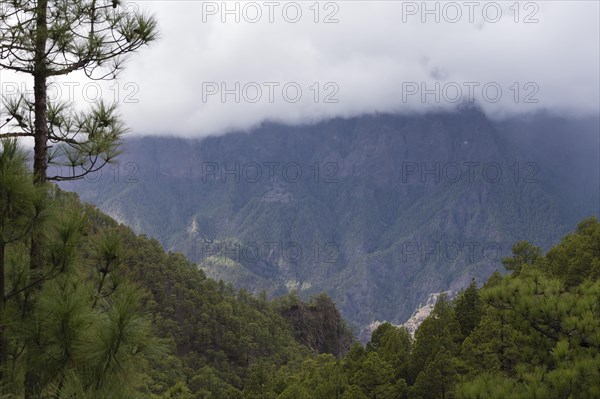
{"x": 216, "y": 334}
{"x": 378, "y": 211}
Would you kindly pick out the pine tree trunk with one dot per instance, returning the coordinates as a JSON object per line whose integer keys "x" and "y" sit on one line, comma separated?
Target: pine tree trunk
{"x": 40, "y": 158}
{"x": 2, "y": 293}
{"x": 40, "y": 161}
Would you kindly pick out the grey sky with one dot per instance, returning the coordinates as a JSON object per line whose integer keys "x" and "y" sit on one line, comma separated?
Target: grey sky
{"x": 376, "y": 57}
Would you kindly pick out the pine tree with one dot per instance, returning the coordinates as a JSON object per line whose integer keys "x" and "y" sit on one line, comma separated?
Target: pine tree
{"x": 576, "y": 258}
{"x": 524, "y": 253}
{"x": 394, "y": 345}
{"x": 83, "y": 333}
{"x": 48, "y": 39}
{"x": 439, "y": 330}
{"x": 16, "y": 214}
{"x": 468, "y": 308}
{"x": 375, "y": 378}
{"x": 437, "y": 380}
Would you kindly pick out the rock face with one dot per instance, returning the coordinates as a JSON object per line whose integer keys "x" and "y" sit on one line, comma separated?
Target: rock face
{"x": 318, "y": 324}
{"x": 378, "y": 211}
{"x": 413, "y": 323}
{"x": 422, "y": 312}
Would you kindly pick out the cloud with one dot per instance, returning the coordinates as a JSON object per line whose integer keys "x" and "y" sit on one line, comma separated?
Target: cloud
{"x": 378, "y": 57}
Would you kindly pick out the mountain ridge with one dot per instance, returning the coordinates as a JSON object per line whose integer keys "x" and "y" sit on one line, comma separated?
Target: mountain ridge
{"x": 367, "y": 188}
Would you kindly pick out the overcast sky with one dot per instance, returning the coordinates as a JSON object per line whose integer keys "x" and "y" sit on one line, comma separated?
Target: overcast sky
{"x": 370, "y": 56}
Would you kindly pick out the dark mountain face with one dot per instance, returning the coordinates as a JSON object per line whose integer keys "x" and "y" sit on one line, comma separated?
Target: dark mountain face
{"x": 378, "y": 211}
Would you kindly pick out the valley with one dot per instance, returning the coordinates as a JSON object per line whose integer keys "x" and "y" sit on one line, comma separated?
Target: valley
{"x": 378, "y": 211}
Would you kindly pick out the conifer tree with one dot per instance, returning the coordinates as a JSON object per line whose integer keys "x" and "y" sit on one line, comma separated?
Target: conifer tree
{"x": 46, "y": 39}
{"x": 16, "y": 202}
{"x": 83, "y": 334}
{"x": 468, "y": 308}
{"x": 524, "y": 253}
{"x": 440, "y": 329}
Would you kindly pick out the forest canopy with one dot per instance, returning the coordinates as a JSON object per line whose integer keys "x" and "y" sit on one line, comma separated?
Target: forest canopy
{"x": 111, "y": 314}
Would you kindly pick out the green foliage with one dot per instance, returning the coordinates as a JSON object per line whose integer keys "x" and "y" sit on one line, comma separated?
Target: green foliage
{"x": 110, "y": 314}
{"x": 524, "y": 253}
{"x": 440, "y": 331}
{"x": 540, "y": 336}
{"x": 532, "y": 334}
{"x": 207, "y": 322}
{"x": 438, "y": 378}
{"x": 60, "y": 329}
{"x": 101, "y": 315}
{"x": 468, "y": 309}
{"x": 576, "y": 258}
{"x": 394, "y": 345}
{"x": 375, "y": 377}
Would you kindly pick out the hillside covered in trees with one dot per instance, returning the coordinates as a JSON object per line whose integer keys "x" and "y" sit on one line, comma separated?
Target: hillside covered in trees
{"x": 534, "y": 333}
{"x": 385, "y": 208}
{"x": 383, "y": 199}
{"x": 110, "y": 314}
